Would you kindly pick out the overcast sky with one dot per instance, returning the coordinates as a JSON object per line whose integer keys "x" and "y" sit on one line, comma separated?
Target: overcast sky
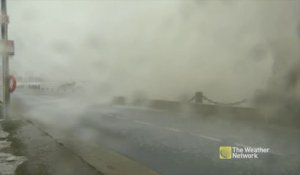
{"x": 165, "y": 48}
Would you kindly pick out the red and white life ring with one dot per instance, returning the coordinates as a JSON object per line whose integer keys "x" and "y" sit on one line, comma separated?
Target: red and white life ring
{"x": 12, "y": 83}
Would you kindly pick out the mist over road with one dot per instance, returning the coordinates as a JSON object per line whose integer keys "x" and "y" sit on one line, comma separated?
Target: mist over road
{"x": 169, "y": 143}
{"x": 229, "y": 50}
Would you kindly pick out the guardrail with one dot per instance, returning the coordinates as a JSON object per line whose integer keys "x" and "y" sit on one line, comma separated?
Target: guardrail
{"x": 215, "y": 111}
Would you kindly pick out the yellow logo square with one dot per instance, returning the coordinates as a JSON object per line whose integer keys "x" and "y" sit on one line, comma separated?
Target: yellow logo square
{"x": 225, "y": 152}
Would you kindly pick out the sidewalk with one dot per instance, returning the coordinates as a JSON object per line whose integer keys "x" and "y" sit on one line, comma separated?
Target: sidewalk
{"x": 43, "y": 154}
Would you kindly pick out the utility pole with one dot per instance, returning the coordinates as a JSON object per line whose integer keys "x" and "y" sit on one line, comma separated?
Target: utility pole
{"x": 6, "y": 50}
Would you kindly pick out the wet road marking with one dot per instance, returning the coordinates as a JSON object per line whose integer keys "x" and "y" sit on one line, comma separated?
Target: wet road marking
{"x": 143, "y": 123}
{"x": 173, "y": 129}
{"x": 208, "y": 137}
{"x": 178, "y": 130}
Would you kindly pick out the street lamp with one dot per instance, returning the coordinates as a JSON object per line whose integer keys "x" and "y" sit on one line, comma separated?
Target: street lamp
{"x": 6, "y": 50}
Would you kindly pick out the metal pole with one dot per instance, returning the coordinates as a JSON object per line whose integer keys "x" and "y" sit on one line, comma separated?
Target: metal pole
{"x": 5, "y": 65}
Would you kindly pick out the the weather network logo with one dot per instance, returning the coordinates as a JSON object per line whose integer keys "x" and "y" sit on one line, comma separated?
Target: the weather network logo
{"x": 247, "y": 152}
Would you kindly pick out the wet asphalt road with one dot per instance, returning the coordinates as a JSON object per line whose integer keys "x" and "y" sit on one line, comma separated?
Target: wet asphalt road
{"x": 170, "y": 143}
